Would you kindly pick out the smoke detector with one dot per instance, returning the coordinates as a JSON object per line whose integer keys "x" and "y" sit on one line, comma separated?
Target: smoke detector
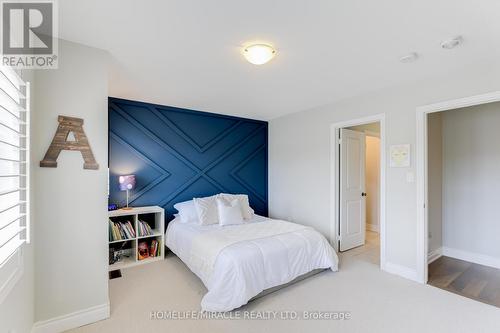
{"x": 410, "y": 57}
{"x": 452, "y": 43}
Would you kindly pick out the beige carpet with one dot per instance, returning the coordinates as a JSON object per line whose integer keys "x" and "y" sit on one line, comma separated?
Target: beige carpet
{"x": 377, "y": 302}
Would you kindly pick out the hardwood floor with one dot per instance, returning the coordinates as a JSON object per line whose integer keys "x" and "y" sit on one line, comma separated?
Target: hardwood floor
{"x": 470, "y": 280}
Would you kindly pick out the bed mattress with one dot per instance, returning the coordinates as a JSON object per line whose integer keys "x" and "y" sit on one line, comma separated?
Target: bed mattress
{"x": 237, "y": 262}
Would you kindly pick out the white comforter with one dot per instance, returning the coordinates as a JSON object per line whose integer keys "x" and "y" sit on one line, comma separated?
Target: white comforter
{"x": 237, "y": 262}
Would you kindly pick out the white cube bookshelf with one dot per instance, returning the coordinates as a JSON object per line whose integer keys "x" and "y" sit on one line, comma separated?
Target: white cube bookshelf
{"x": 155, "y": 217}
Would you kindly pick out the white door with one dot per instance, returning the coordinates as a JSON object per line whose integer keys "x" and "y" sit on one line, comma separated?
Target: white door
{"x": 352, "y": 189}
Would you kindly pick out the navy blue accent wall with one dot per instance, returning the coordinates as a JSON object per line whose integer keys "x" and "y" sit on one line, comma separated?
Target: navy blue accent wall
{"x": 177, "y": 154}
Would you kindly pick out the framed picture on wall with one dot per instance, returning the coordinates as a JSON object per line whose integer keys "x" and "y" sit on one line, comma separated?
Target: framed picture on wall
{"x": 400, "y": 156}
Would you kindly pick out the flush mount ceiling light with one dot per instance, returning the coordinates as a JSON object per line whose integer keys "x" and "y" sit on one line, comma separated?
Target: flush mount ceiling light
{"x": 259, "y": 54}
{"x": 410, "y": 57}
{"x": 452, "y": 43}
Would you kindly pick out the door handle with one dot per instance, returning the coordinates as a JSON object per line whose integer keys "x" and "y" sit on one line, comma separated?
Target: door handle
{"x": 363, "y": 194}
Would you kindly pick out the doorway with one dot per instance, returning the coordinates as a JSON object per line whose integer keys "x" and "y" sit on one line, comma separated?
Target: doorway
{"x": 462, "y": 169}
{"x": 424, "y": 244}
{"x": 358, "y": 183}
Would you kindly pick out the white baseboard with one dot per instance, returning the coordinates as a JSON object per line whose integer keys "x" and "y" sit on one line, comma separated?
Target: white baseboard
{"x": 72, "y": 320}
{"x": 403, "y": 271}
{"x": 476, "y": 258}
{"x": 434, "y": 255}
{"x": 372, "y": 227}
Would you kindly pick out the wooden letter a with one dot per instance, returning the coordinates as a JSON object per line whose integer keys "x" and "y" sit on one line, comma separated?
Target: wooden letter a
{"x": 60, "y": 142}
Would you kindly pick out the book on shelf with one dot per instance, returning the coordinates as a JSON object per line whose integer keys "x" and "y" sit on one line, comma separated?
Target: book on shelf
{"x": 144, "y": 229}
{"x": 147, "y": 249}
{"x": 153, "y": 249}
{"x": 121, "y": 230}
{"x": 142, "y": 251}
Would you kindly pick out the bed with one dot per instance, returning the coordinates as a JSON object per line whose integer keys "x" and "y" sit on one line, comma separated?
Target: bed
{"x": 238, "y": 262}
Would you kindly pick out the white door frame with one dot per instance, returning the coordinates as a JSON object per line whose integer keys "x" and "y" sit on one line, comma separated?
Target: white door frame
{"x": 335, "y": 180}
{"x": 421, "y": 161}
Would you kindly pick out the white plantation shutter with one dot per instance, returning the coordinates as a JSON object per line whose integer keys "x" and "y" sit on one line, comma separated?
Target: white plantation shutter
{"x": 14, "y": 163}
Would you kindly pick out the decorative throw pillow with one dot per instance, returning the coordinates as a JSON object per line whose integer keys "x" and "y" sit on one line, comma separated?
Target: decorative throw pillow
{"x": 187, "y": 211}
{"x": 206, "y": 208}
{"x": 246, "y": 210}
{"x": 229, "y": 214}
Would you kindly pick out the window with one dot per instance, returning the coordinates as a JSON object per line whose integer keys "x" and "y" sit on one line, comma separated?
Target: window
{"x": 14, "y": 164}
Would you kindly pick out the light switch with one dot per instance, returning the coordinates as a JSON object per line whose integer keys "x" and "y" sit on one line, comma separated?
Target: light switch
{"x": 410, "y": 177}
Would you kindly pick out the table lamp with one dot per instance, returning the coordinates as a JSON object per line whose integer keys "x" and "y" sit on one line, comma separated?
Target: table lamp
{"x": 127, "y": 183}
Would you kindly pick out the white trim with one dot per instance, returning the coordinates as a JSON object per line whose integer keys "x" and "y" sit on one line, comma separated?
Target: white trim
{"x": 403, "y": 271}
{"x": 15, "y": 276}
{"x": 72, "y": 320}
{"x": 473, "y": 257}
{"x": 334, "y": 178}
{"x": 490, "y": 97}
{"x": 421, "y": 163}
{"x": 434, "y": 255}
{"x": 372, "y": 227}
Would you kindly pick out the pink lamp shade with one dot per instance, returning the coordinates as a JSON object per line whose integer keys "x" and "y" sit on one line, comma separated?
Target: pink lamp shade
{"x": 127, "y": 182}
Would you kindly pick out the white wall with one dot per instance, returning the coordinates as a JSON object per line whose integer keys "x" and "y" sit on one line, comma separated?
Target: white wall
{"x": 299, "y": 154}
{"x": 471, "y": 180}
{"x": 435, "y": 180}
{"x": 372, "y": 181}
{"x": 71, "y": 213}
{"x": 17, "y": 310}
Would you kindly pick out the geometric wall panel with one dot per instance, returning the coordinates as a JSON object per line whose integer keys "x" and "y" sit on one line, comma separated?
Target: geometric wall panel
{"x": 177, "y": 154}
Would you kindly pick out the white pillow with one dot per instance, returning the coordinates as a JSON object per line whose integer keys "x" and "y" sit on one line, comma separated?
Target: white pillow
{"x": 187, "y": 211}
{"x": 206, "y": 208}
{"x": 229, "y": 214}
{"x": 246, "y": 211}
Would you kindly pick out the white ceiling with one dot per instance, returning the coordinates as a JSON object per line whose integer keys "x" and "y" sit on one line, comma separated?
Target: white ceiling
{"x": 186, "y": 53}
